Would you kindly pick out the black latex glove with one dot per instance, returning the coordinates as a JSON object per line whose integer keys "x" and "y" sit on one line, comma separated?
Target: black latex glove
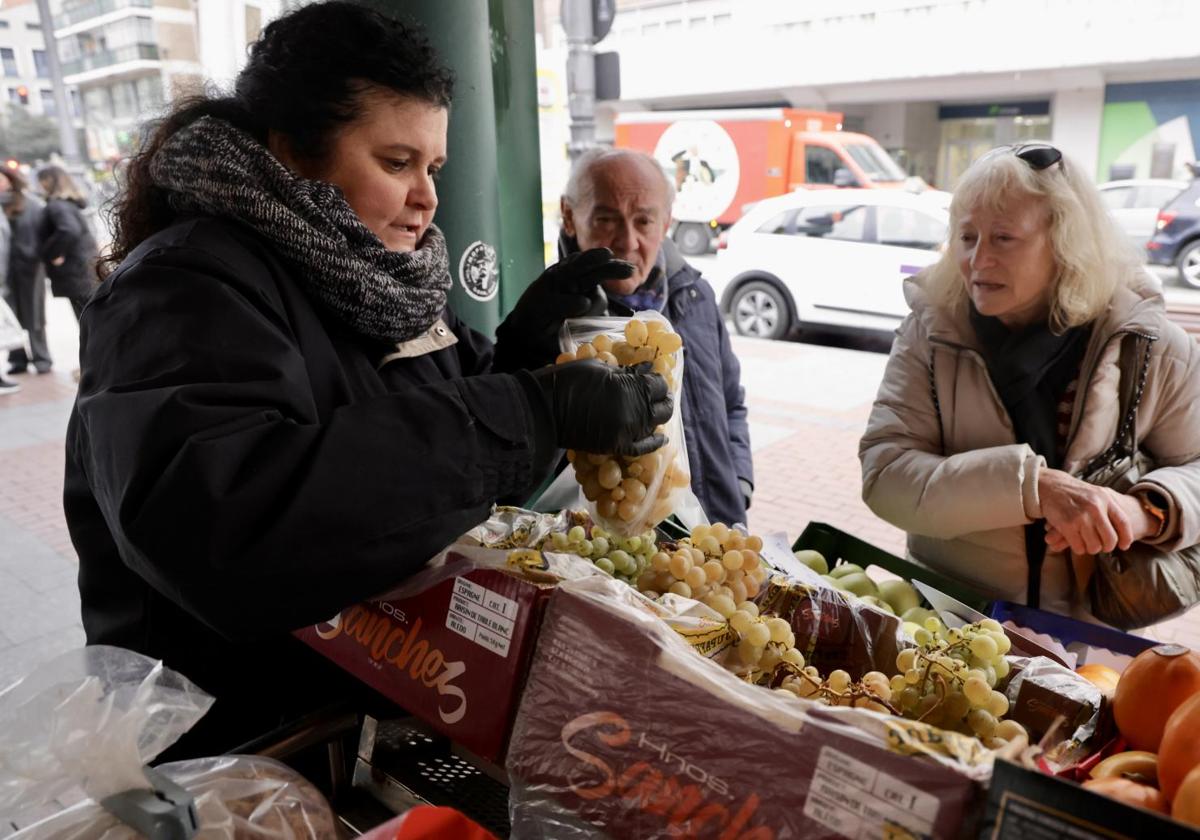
{"x": 528, "y": 338}
{"x": 605, "y": 409}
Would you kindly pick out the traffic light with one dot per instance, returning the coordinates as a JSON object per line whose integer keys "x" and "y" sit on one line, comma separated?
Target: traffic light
{"x": 23, "y": 94}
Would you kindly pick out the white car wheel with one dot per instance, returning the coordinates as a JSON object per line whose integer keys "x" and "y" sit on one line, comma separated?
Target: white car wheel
{"x": 1189, "y": 265}
{"x": 760, "y": 311}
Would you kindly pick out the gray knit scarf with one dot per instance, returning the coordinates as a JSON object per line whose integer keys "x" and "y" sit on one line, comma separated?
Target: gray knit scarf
{"x": 213, "y": 168}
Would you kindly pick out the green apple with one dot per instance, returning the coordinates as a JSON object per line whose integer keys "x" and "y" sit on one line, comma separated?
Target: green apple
{"x": 917, "y": 615}
{"x": 879, "y": 604}
{"x": 900, "y": 595}
{"x": 910, "y": 628}
{"x": 846, "y": 569}
{"x": 859, "y": 584}
{"x": 814, "y": 560}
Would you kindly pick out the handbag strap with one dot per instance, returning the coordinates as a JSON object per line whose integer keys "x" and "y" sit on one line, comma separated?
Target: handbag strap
{"x": 1132, "y": 388}
{"x": 937, "y": 405}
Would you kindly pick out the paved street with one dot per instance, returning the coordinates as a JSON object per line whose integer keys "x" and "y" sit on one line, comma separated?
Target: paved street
{"x": 808, "y": 406}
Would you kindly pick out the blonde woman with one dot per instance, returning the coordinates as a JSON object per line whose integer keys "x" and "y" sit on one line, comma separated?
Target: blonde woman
{"x": 1003, "y": 385}
{"x": 67, "y": 246}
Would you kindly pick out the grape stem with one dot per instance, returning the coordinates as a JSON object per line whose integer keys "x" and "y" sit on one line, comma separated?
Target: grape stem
{"x": 940, "y": 682}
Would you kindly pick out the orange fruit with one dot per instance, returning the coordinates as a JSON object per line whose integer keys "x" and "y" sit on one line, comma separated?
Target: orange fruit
{"x": 1154, "y": 685}
{"x": 1186, "y": 807}
{"x": 1180, "y": 750}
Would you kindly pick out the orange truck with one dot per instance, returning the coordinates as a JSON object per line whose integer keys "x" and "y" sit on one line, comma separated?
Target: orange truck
{"x": 723, "y": 160}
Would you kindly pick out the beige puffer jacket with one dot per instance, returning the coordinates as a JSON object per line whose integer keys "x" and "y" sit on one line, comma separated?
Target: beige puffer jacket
{"x": 964, "y": 502}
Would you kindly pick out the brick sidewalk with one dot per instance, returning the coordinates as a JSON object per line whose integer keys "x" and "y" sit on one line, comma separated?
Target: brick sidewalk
{"x": 808, "y": 407}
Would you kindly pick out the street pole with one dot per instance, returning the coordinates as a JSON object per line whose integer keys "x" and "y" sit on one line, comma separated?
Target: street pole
{"x": 66, "y": 121}
{"x": 581, "y": 75}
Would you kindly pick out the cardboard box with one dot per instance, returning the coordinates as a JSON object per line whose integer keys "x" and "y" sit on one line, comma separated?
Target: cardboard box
{"x": 451, "y": 646}
{"x": 1026, "y": 805}
{"x": 623, "y": 729}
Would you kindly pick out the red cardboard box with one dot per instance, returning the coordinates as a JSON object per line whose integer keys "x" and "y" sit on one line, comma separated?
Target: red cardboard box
{"x": 623, "y": 729}
{"x": 451, "y": 646}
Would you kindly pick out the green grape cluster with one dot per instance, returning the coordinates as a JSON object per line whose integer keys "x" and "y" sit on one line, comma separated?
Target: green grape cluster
{"x": 949, "y": 680}
{"x": 625, "y": 558}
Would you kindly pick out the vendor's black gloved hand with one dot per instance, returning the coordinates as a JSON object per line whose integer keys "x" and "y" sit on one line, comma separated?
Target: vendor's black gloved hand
{"x": 604, "y": 409}
{"x": 528, "y": 338}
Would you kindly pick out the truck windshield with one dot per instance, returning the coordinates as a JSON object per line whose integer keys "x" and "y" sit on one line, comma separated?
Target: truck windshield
{"x": 875, "y": 162}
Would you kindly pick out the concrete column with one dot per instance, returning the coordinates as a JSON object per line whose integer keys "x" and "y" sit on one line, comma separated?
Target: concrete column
{"x": 1075, "y": 118}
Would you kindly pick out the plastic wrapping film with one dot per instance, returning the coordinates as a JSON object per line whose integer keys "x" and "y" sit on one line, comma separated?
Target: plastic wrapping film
{"x": 514, "y": 527}
{"x": 833, "y": 629}
{"x": 81, "y": 727}
{"x": 1040, "y": 690}
{"x": 623, "y": 731}
{"x": 661, "y": 477}
{"x": 244, "y": 797}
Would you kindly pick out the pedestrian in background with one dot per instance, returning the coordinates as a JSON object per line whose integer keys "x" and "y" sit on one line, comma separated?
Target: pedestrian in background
{"x": 67, "y": 246}
{"x": 12, "y": 335}
{"x": 26, "y": 290}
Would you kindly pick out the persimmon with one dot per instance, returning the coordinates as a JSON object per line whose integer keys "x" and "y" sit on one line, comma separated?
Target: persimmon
{"x": 1186, "y": 807}
{"x": 1129, "y": 792}
{"x": 1154, "y": 685}
{"x": 1180, "y": 750}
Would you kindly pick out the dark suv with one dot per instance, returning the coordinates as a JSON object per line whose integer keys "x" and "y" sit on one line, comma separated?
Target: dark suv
{"x": 1176, "y": 239}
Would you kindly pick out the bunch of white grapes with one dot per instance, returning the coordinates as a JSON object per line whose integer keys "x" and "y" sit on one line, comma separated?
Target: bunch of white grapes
{"x": 632, "y": 493}
{"x": 716, "y": 565}
{"x": 949, "y": 680}
{"x": 625, "y": 558}
{"x": 873, "y": 691}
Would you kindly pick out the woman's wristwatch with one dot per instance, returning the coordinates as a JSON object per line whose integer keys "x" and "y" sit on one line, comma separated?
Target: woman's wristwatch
{"x": 1157, "y": 506}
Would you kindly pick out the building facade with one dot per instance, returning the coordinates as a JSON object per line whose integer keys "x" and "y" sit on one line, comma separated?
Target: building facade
{"x": 26, "y": 82}
{"x": 130, "y": 58}
{"x": 937, "y": 82}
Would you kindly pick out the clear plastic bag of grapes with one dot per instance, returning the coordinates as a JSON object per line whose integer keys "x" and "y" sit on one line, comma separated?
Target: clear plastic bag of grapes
{"x": 629, "y": 495}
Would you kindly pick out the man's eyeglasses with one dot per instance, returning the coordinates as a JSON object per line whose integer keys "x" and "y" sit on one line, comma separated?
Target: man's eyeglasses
{"x": 1039, "y": 156}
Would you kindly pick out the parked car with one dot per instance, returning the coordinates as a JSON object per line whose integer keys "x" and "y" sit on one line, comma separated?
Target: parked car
{"x": 834, "y": 258}
{"x": 1176, "y": 239}
{"x": 1135, "y": 203}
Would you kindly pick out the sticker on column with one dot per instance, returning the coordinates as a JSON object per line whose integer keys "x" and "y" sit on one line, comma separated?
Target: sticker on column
{"x": 479, "y": 272}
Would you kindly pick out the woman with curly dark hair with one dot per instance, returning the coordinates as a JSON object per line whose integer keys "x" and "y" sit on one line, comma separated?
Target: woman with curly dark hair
{"x": 279, "y": 416}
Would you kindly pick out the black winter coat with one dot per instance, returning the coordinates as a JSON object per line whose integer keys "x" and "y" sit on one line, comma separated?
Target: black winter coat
{"x": 64, "y": 232}
{"x": 715, "y": 427}
{"x": 26, "y": 279}
{"x": 238, "y": 466}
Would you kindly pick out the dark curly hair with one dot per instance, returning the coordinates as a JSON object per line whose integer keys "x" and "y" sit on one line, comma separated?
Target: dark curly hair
{"x": 305, "y": 79}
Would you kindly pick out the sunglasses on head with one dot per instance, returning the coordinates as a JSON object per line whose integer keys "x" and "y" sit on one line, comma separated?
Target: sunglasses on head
{"x": 1039, "y": 156}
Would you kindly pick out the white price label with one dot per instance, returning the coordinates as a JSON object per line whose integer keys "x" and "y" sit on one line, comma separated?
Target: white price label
{"x": 856, "y": 800}
{"x": 483, "y": 616}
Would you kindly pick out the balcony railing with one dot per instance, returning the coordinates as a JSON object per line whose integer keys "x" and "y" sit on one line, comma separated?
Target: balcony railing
{"x": 106, "y": 58}
{"x": 77, "y": 12}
